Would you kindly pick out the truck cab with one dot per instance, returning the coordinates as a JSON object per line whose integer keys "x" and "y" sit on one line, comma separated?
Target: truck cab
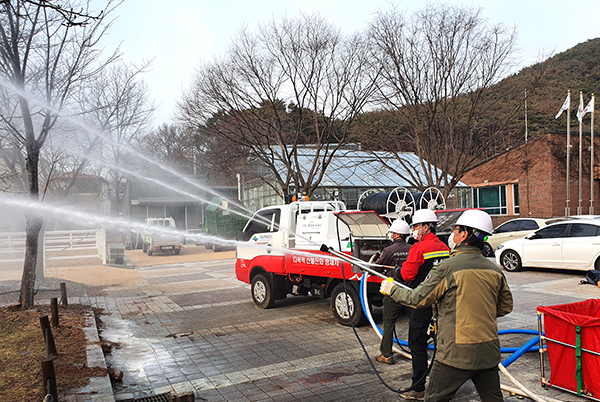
{"x": 161, "y": 236}
{"x": 281, "y": 254}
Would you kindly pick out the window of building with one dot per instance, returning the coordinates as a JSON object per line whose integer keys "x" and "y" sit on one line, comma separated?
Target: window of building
{"x": 492, "y": 198}
{"x": 516, "y": 199}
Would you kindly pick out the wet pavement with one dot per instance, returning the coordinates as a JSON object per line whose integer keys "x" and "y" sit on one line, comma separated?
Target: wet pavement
{"x": 192, "y": 327}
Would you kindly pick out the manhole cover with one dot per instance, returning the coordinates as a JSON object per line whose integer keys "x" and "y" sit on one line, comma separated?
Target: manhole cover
{"x": 151, "y": 398}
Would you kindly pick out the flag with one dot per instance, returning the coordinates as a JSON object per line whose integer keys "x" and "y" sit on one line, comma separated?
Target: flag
{"x": 565, "y": 105}
{"x": 588, "y": 109}
{"x": 580, "y": 108}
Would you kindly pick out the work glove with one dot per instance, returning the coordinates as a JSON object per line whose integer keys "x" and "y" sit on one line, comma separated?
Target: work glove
{"x": 387, "y": 287}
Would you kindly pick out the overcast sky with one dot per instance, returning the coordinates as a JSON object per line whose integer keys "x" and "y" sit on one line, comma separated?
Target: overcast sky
{"x": 178, "y": 35}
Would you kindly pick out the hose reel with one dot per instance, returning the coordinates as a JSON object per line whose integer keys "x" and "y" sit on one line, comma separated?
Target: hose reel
{"x": 400, "y": 202}
{"x": 432, "y": 198}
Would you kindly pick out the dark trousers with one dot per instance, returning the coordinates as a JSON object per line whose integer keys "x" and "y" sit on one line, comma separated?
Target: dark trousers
{"x": 418, "y": 325}
{"x": 446, "y": 380}
{"x": 391, "y": 312}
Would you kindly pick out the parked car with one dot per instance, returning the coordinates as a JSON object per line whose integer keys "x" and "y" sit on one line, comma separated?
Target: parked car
{"x": 509, "y": 230}
{"x": 572, "y": 244}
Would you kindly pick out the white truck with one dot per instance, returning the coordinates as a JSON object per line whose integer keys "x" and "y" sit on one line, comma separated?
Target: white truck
{"x": 164, "y": 238}
{"x": 281, "y": 255}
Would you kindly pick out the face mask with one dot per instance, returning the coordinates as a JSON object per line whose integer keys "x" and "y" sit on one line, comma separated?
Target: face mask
{"x": 415, "y": 234}
{"x": 451, "y": 243}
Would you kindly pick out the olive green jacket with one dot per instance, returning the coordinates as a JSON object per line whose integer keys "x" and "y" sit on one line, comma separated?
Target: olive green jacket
{"x": 471, "y": 292}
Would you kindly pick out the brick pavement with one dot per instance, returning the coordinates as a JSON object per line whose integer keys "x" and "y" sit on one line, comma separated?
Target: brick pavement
{"x": 193, "y": 327}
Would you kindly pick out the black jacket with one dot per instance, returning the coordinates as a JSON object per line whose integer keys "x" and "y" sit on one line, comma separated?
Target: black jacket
{"x": 393, "y": 255}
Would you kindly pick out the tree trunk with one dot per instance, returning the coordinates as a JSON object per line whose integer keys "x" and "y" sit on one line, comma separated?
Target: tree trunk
{"x": 32, "y": 231}
{"x": 34, "y": 223}
{"x": 39, "y": 270}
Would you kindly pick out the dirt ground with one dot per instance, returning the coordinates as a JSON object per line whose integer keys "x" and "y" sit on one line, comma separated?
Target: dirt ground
{"x": 189, "y": 253}
{"x": 100, "y": 275}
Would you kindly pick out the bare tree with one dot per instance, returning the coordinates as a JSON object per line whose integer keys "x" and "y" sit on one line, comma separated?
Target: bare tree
{"x": 118, "y": 104}
{"x": 173, "y": 145}
{"x": 46, "y": 51}
{"x": 436, "y": 69}
{"x": 292, "y": 83}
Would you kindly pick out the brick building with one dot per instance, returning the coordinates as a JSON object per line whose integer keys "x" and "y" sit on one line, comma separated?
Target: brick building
{"x": 530, "y": 180}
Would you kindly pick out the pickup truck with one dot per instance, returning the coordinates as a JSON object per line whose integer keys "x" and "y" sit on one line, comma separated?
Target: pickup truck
{"x": 162, "y": 240}
{"x": 281, "y": 255}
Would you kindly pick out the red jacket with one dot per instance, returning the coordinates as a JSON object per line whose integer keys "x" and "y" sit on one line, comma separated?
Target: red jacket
{"x": 423, "y": 255}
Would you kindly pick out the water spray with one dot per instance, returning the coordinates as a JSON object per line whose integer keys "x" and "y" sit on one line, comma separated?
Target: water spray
{"x": 124, "y": 225}
{"x": 10, "y": 86}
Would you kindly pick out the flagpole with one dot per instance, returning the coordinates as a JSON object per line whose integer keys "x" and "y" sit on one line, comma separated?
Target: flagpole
{"x": 580, "y": 149}
{"x": 591, "y": 211}
{"x": 525, "y": 115}
{"x": 568, "y": 208}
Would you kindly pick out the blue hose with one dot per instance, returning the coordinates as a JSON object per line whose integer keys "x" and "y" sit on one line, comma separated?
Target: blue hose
{"x": 362, "y": 303}
{"x": 516, "y": 352}
{"x": 528, "y": 347}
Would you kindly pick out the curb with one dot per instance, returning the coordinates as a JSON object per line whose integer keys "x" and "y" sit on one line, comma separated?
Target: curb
{"x": 100, "y": 388}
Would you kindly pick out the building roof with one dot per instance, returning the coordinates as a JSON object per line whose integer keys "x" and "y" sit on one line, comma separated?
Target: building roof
{"x": 351, "y": 167}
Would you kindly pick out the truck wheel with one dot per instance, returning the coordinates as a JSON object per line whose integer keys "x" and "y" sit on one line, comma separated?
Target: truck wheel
{"x": 208, "y": 246}
{"x": 177, "y": 251}
{"x": 340, "y": 308}
{"x": 149, "y": 252}
{"x": 262, "y": 294}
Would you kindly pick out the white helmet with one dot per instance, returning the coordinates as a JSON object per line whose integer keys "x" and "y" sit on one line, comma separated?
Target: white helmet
{"x": 476, "y": 219}
{"x": 399, "y": 226}
{"x": 424, "y": 216}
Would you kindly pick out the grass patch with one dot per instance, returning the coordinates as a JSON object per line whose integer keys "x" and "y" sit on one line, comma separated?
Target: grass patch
{"x": 22, "y": 349}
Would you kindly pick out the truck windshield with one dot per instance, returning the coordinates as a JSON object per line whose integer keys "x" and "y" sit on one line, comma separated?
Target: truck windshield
{"x": 262, "y": 222}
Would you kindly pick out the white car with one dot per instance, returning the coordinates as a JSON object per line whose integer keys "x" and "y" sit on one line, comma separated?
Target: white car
{"x": 509, "y": 230}
{"x": 573, "y": 244}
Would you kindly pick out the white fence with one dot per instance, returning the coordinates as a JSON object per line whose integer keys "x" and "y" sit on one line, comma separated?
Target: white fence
{"x": 58, "y": 245}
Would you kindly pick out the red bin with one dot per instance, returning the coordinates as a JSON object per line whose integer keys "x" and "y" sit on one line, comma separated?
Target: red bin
{"x": 572, "y": 333}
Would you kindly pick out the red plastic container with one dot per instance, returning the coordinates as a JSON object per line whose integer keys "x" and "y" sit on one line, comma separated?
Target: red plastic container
{"x": 560, "y": 323}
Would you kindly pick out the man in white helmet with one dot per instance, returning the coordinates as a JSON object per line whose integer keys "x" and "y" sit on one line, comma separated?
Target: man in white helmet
{"x": 422, "y": 257}
{"x": 470, "y": 292}
{"x": 393, "y": 255}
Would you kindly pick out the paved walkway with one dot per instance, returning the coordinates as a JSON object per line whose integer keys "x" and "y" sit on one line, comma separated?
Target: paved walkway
{"x": 192, "y": 327}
